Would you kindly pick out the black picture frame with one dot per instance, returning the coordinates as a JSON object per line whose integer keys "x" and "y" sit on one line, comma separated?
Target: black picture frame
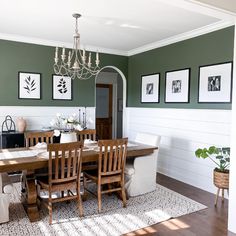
{"x": 62, "y": 88}
{"x": 222, "y": 93}
{"x": 150, "y": 88}
{"x": 29, "y": 85}
{"x": 182, "y": 92}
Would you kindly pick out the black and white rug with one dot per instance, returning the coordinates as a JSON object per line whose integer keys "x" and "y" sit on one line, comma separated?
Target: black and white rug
{"x": 141, "y": 211}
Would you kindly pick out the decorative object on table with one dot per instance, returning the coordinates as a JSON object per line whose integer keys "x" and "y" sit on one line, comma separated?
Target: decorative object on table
{"x": 221, "y": 157}
{"x": 150, "y": 88}
{"x": 215, "y": 82}
{"x": 29, "y": 85}
{"x": 66, "y": 126}
{"x": 21, "y": 124}
{"x": 68, "y": 137}
{"x": 8, "y": 125}
{"x": 84, "y": 119}
{"x": 78, "y": 64}
{"x": 177, "y": 86}
{"x": 66, "y": 123}
{"x": 62, "y": 87}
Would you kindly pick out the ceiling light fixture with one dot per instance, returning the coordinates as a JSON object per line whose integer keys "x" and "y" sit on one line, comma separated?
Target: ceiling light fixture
{"x": 77, "y": 64}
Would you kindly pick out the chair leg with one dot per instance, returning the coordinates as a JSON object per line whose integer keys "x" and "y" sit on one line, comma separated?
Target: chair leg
{"x": 79, "y": 201}
{"x": 217, "y": 194}
{"x": 84, "y": 197}
{"x": 99, "y": 198}
{"x": 123, "y": 194}
{"x": 50, "y": 209}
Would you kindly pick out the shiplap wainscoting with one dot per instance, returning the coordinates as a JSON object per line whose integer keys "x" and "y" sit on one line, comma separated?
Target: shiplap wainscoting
{"x": 39, "y": 117}
{"x": 182, "y": 132}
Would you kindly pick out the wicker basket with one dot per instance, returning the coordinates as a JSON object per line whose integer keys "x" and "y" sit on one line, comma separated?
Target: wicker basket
{"x": 221, "y": 180}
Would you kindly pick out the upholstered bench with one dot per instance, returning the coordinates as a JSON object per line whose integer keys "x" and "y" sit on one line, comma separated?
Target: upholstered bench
{"x": 140, "y": 173}
{"x": 6, "y": 188}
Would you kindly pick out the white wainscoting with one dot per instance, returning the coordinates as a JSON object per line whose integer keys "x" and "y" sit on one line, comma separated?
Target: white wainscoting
{"x": 39, "y": 117}
{"x": 182, "y": 132}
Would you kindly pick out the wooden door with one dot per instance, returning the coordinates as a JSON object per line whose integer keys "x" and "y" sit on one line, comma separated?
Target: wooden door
{"x": 104, "y": 111}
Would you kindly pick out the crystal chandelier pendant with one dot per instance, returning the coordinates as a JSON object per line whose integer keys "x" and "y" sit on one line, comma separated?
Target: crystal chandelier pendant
{"x": 78, "y": 63}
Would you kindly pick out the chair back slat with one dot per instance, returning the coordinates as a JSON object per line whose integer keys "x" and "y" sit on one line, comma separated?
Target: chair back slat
{"x": 112, "y": 156}
{"x": 64, "y": 161}
{"x": 86, "y": 134}
{"x": 32, "y": 138}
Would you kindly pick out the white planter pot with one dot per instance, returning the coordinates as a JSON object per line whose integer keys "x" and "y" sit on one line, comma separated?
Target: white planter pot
{"x": 68, "y": 137}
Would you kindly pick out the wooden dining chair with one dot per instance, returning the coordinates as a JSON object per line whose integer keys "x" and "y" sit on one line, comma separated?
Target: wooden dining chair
{"x": 86, "y": 134}
{"x": 64, "y": 168}
{"x": 111, "y": 164}
{"x": 81, "y": 136}
{"x": 32, "y": 138}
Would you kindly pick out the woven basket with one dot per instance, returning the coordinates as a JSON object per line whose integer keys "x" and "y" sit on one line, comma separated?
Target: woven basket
{"x": 221, "y": 180}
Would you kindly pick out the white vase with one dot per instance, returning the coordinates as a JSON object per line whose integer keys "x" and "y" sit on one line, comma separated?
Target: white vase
{"x": 68, "y": 137}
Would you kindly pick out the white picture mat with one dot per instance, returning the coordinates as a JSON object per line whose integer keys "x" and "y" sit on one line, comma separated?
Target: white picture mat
{"x": 56, "y": 93}
{"x": 183, "y": 76}
{"x": 35, "y": 94}
{"x": 150, "y": 79}
{"x": 224, "y": 95}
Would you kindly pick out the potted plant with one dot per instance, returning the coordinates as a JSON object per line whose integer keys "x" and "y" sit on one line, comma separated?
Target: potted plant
{"x": 221, "y": 157}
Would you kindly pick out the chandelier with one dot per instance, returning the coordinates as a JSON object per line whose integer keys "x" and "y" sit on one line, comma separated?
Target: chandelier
{"x": 78, "y": 63}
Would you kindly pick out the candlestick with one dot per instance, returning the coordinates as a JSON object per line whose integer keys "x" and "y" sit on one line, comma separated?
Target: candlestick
{"x": 79, "y": 116}
{"x": 85, "y": 122}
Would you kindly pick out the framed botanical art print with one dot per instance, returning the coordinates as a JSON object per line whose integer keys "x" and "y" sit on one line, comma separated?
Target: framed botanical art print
{"x": 29, "y": 85}
{"x": 150, "y": 88}
{"x": 177, "y": 86}
{"x": 62, "y": 87}
{"x": 215, "y": 83}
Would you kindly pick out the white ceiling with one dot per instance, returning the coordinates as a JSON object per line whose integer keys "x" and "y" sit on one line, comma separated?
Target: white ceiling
{"x": 119, "y": 26}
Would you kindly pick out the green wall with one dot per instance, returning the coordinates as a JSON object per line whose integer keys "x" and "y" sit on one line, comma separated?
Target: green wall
{"x": 215, "y": 47}
{"x": 15, "y": 57}
{"x": 210, "y": 48}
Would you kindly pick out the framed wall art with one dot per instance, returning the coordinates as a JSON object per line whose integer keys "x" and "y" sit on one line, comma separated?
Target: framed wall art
{"x": 29, "y": 85}
{"x": 215, "y": 83}
{"x": 62, "y": 87}
{"x": 177, "y": 86}
{"x": 150, "y": 88}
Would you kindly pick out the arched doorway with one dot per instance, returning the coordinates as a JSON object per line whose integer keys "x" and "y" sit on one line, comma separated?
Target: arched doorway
{"x": 110, "y": 100}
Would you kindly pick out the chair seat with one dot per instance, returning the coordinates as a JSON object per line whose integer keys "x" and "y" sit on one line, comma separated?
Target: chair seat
{"x": 43, "y": 182}
{"x": 93, "y": 175}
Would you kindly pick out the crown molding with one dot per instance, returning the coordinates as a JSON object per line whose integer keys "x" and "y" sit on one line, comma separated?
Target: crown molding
{"x": 191, "y": 34}
{"x": 38, "y": 41}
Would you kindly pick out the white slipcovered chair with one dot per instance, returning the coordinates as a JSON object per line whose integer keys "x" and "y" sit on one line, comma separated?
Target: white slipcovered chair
{"x": 6, "y": 188}
{"x": 140, "y": 173}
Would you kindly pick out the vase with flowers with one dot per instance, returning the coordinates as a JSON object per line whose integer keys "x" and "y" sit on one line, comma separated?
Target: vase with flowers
{"x": 66, "y": 127}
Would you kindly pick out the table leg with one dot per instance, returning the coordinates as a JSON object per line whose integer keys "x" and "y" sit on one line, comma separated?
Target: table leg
{"x": 29, "y": 196}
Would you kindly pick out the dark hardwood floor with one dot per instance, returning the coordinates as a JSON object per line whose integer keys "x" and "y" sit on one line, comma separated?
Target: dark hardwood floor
{"x": 208, "y": 222}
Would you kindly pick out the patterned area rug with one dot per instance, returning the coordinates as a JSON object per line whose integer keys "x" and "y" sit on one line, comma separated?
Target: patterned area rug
{"x": 141, "y": 211}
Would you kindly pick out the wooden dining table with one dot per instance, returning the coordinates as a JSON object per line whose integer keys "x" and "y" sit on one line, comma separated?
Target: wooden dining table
{"x": 31, "y": 163}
